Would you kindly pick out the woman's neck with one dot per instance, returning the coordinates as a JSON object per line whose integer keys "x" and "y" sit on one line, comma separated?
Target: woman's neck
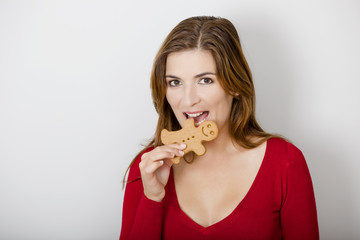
{"x": 224, "y": 144}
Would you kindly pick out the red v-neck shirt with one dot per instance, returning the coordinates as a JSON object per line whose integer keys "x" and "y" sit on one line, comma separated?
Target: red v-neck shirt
{"x": 280, "y": 204}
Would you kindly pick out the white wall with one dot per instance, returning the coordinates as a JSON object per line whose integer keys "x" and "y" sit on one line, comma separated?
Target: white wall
{"x": 75, "y": 103}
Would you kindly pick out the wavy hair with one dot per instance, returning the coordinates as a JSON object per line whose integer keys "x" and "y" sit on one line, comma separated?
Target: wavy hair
{"x": 219, "y": 36}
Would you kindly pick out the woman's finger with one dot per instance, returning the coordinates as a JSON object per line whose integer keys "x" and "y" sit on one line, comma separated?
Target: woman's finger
{"x": 151, "y": 168}
{"x": 161, "y": 153}
{"x": 157, "y": 156}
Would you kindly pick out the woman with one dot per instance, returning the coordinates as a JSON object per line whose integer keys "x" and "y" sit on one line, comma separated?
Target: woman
{"x": 249, "y": 184}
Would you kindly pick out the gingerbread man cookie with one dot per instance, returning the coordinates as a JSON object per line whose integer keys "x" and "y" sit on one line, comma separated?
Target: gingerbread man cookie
{"x": 192, "y": 136}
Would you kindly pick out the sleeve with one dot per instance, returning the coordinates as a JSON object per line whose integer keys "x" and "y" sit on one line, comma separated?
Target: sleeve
{"x": 298, "y": 213}
{"x": 141, "y": 217}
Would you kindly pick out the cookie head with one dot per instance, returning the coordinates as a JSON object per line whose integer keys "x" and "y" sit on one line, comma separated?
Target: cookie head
{"x": 209, "y": 130}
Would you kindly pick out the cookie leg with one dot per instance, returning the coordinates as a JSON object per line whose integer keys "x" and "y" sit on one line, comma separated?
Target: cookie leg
{"x": 176, "y": 160}
{"x": 199, "y": 150}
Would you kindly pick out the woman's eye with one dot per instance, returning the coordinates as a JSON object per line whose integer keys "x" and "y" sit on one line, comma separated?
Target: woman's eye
{"x": 174, "y": 83}
{"x": 206, "y": 81}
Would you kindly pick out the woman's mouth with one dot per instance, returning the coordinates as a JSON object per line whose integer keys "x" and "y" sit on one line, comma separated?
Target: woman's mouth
{"x": 198, "y": 117}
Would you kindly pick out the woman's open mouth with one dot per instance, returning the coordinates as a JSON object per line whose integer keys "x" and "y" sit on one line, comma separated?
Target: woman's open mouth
{"x": 198, "y": 117}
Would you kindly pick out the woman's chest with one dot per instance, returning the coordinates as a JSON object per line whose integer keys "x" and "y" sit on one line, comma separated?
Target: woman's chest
{"x": 208, "y": 194}
{"x": 256, "y": 216}
{"x": 209, "y": 199}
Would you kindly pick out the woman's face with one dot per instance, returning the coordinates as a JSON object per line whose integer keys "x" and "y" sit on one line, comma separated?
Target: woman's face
{"x": 193, "y": 90}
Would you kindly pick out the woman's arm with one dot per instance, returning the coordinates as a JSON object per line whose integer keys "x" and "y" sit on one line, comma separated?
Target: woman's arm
{"x": 139, "y": 212}
{"x": 298, "y": 213}
{"x": 145, "y": 189}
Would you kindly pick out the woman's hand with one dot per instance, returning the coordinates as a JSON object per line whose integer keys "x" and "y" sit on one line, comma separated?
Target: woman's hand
{"x": 155, "y": 169}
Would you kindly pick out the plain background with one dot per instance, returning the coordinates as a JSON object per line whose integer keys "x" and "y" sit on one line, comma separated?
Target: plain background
{"x": 75, "y": 103}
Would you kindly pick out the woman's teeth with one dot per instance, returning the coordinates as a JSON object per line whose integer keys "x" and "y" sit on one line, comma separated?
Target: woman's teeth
{"x": 199, "y": 117}
{"x": 193, "y": 115}
{"x": 198, "y": 123}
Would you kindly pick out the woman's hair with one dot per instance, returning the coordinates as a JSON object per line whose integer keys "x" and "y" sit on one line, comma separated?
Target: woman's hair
{"x": 219, "y": 37}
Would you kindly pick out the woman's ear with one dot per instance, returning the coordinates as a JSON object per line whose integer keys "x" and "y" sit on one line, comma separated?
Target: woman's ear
{"x": 234, "y": 94}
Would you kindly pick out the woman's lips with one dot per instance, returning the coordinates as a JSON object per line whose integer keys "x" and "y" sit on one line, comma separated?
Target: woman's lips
{"x": 198, "y": 117}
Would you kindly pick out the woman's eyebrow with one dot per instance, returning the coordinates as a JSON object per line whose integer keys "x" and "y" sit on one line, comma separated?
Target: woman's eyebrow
{"x": 171, "y": 76}
{"x": 203, "y": 74}
{"x": 196, "y": 76}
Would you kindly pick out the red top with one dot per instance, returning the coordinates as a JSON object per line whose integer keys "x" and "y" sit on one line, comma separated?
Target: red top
{"x": 279, "y": 205}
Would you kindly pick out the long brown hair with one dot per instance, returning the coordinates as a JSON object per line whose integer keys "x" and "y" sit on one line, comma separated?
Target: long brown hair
{"x": 219, "y": 36}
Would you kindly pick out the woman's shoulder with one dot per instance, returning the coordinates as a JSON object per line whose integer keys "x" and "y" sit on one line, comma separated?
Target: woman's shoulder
{"x": 285, "y": 150}
{"x": 283, "y": 144}
{"x": 134, "y": 172}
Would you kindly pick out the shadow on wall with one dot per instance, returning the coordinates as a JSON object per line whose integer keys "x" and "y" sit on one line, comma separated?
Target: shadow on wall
{"x": 275, "y": 64}
{"x": 334, "y": 195}
{"x": 272, "y": 75}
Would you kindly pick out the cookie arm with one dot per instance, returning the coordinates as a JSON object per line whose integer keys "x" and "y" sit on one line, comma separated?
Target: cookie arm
{"x": 164, "y": 136}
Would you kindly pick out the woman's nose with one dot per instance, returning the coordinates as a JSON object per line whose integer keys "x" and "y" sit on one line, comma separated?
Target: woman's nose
{"x": 191, "y": 96}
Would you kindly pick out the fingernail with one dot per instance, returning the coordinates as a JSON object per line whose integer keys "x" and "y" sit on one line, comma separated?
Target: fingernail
{"x": 183, "y": 145}
{"x": 181, "y": 152}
